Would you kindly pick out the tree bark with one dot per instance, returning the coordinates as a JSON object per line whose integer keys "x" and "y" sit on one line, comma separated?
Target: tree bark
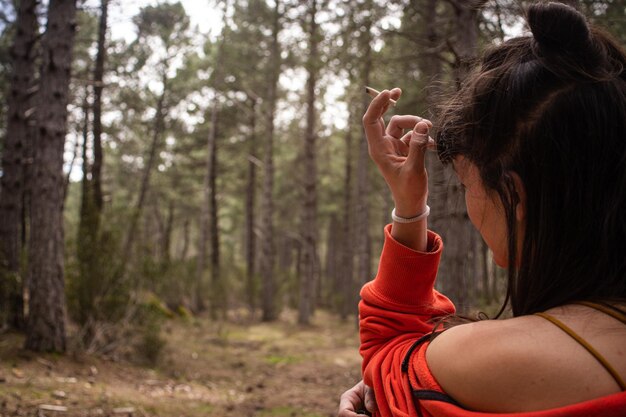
{"x": 266, "y": 264}
{"x": 13, "y": 165}
{"x": 68, "y": 176}
{"x": 86, "y": 250}
{"x": 362, "y": 233}
{"x": 166, "y": 239}
{"x": 185, "y": 246}
{"x": 347, "y": 265}
{"x": 218, "y": 302}
{"x": 466, "y": 23}
{"x": 439, "y": 177}
{"x": 46, "y": 320}
{"x": 460, "y": 233}
{"x": 330, "y": 294}
{"x": 98, "y": 86}
{"x": 250, "y": 212}
{"x": 308, "y": 221}
{"x": 209, "y": 220}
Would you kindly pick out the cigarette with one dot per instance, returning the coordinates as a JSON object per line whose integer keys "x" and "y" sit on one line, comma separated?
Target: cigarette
{"x": 373, "y": 93}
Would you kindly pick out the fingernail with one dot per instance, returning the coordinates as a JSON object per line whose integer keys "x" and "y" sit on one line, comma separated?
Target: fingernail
{"x": 421, "y": 128}
{"x": 420, "y": 137}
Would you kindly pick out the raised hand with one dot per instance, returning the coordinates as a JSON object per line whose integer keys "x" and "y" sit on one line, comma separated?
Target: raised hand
{"x": 399, "y": 155}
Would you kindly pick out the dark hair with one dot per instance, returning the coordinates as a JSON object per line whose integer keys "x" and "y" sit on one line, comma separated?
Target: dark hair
{"x": 551, "y": 107}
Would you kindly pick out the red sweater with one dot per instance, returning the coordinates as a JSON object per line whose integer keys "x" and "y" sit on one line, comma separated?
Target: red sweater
{"x": 395, "y": 313}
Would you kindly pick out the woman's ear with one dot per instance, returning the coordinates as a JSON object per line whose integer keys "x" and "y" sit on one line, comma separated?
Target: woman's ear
{"x": 520, "y": 189}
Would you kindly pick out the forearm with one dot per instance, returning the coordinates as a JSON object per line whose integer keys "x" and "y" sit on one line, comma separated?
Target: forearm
{"x": 401, "y": 299}
{"x": 411, "y": 235}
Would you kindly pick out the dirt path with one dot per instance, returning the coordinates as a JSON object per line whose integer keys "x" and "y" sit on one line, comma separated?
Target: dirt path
{"x": 257, "y": 370}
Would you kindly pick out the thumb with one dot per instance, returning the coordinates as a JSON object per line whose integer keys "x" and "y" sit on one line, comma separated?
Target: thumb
{"x": 417, "y": 146}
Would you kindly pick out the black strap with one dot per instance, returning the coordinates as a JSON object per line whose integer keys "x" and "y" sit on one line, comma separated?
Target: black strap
{"x": 418, "y": 342}
{"x": 430, "y": 395}
{"x": 424, "y": 394}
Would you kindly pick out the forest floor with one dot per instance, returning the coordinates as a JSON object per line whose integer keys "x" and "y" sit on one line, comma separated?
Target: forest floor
{"x": 206, "y": 369}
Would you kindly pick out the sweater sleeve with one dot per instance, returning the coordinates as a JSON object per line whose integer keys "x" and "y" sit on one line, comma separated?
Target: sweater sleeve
{"x": 396, "y": 309}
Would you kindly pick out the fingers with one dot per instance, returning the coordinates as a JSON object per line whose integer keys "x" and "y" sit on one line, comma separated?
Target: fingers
{"x": 377, "y": 107}
{"x": 375, "y": 127}
{"x": 395, "y": 93}
{"x": 351, "y": 401}
{"x": 406, "y": 139}
{"x": 417, "y": 146}
{"x": 398, "y": 124}
{"x": 373, "y": 122}
{"x": 370, "y": 400}
{"x": 346, "y": 409}
{"x": 431, "y": 144}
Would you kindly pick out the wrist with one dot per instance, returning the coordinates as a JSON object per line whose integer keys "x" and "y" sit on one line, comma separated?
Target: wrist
{"x": 404, "y": 220}
{"x": 410, "y": 210}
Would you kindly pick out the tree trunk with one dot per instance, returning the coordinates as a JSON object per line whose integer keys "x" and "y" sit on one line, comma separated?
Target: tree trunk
{"x": 250, "y": 213}
{"x": 466, "y": 22}
{"x": 13, "y": 160}
{"x": 98, "y": 85}
{"x": 166, "y": 239}
{"x": 285, "y": 252}
{"x": 199, "y": 302}
{"x": 309, "y": 178}
{"x": 328, "y": 293}
{"x": 185, "y": 246}
{"x": 169, "y": 229}
{"x": 362, "y": 233}
{"x": 157, "y": 131}
{"x": 439, "y": 177}
{"x": 46, "y": 320}
{"x": 347, "y": 265}
{"x": 218, "y": 303}
{"x": 266, "y": 264}
{"x": 460, "y": 232}
{"x": 68, "y": 176}
{"x": 86, "y": 250}
{"x": 209, "y": 221}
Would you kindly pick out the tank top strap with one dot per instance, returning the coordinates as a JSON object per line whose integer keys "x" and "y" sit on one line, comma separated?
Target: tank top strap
{"x": 588, "y": 347}
{"x": 608, "y": 309}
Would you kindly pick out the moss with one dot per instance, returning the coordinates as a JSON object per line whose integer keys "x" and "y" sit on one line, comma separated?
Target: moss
{"x": 184, "y": 312}
{"x": 286, "y": 359}
{"x": 203, "y": 408}
{"x": 156, "y": 306}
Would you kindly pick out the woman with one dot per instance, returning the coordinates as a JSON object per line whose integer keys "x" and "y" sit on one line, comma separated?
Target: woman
{"x": 537, "y": 136}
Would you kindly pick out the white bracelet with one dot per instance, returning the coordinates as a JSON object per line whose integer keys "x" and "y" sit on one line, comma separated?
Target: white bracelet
{"x": 412, "y": 219}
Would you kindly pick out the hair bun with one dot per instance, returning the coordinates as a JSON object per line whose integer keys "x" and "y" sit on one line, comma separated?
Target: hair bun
{"x": 566, "y": 45}
{"x": 559, "y": 27}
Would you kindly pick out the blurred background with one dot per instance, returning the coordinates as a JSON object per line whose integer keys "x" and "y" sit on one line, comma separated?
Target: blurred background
{"x": 187, "y": 206}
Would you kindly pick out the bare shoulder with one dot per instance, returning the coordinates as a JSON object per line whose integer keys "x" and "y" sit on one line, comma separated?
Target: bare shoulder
{"x": 515, "y": 365}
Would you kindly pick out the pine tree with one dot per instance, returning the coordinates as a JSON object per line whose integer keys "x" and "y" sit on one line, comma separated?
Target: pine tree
{"x": 46, "y": 320}
{"x": 13, "y": 179}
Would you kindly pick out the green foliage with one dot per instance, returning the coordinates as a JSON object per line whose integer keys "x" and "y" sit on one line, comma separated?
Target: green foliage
{"x": 94, "y": 292}
{"x": 280, "y": 359}
{"x": 150, "y": 345}
{"x": 167, "y": 21}
{"x": 184, "y": 312}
